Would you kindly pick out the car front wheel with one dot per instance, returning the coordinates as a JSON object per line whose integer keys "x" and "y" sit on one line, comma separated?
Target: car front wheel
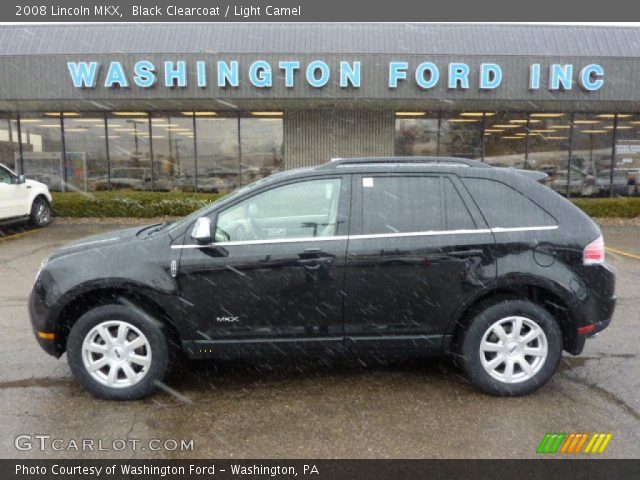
{"x": 118, "y": 352}
{"x": 511, "y": 348}
{"x": 40, "y": 215}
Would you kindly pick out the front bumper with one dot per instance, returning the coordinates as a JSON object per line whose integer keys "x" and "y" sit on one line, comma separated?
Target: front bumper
{"x": 47, "y": 335}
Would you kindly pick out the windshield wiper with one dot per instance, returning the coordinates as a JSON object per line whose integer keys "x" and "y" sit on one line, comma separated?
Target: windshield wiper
{"x": 153, "y": 228}
{"x": 160, "y": 226}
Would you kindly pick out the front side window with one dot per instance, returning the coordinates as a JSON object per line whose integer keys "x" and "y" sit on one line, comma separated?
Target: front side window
{"x": 5, "y": 176}
{"x": 401, "y": 204}
{"x": 300, "y": 210}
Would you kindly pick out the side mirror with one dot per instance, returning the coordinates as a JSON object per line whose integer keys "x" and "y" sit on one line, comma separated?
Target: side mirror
{"x": 20, "y": 179}
{"x": 201, "y": 232}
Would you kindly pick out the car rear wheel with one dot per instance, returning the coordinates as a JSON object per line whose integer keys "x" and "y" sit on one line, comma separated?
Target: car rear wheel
{"x": 118, "y": 352}
{"x": 40, "y": 213}
{"x": 511, "y": 348}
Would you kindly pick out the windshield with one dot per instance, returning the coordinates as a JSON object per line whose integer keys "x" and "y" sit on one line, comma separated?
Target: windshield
{"x": 4, "y": 167}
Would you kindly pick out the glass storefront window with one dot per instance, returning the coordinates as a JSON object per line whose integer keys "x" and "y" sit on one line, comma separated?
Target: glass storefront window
{"x": 505, "y": 139}
{"x": 42, "y": 156}
{"x": 416, "y": 134}
{"x": 85, "y": 151}
{"x": 129, "y": 152}
{"x": 461, "y": 135}
{"x": 173, "y": 153}
{"x": 549, "y": 141}
{"x": 9, "y": 145}
{"x": 218, "y": 153}
{"x": 626, "y": 163}
{"x": 591, "y": 157}
{"x": 225, "y": 150}
{"x": 261, "y": 142}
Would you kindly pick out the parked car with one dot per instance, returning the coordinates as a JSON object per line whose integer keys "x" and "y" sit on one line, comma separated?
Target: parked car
{"x": 212, "y": 184}
{"x": 131, "y": 178}
{"x": 581, "y": 184}
{"x": 358, "y": 256}
{"x": 620, "y": 183}
{"x": 23, "y": 199}
{"x": 127, "y": 178}
{"x": 206, "y": 184}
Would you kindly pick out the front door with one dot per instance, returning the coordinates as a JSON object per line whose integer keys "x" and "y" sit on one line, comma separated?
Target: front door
{"x": 275, "y": 275}
{"x": 416, "y": 252}
{"x": 13, "y": 196}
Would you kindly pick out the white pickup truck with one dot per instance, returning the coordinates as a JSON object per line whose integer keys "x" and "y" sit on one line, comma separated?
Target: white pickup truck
{"x": 22, "y": 199}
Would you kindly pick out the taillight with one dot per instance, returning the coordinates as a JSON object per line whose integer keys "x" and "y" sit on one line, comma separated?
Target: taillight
{"x": 593, "y": 254}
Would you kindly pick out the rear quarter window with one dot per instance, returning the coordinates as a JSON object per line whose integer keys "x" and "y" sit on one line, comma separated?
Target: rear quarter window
{"x": 503, "y": 206}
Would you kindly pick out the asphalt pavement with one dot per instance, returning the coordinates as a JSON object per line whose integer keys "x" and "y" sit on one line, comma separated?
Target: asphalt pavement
{"x": 320, "y": 408}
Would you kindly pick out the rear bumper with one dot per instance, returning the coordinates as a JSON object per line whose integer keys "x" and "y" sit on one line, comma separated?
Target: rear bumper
{"x": 593, "y": 324}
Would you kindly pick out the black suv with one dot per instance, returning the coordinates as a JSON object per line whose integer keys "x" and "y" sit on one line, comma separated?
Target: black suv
{"x": 410, "y": 256}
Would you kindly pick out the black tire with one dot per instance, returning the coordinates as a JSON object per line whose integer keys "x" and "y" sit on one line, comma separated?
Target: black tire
{"x": 470, "y": 353}
{"x": 152, "y": 329}
{"x": 40, "y": 215}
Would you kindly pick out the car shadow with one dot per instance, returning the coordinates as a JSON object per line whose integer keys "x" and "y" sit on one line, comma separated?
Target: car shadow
{"x": 10, "y": 229}
{"x": 239, "y": 374}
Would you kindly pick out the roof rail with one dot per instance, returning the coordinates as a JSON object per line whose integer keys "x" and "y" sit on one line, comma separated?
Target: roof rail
{"x": 336, "y": 162}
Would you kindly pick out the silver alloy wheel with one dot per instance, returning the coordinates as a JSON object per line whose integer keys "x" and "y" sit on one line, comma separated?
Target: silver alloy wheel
{"x": 42, "y": 213}
{"x": 116, "y": 354}
{"x": 513, "y": 349}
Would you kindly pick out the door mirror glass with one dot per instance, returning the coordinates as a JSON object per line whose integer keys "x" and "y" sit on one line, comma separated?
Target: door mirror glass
{"x": 201, "y": 232}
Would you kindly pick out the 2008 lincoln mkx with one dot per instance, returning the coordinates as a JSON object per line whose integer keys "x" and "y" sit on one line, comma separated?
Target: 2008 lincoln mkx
{"x": 411, "y": 256}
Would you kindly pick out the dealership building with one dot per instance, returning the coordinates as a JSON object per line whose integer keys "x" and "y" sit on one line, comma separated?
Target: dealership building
{"x": 210, "y": 107}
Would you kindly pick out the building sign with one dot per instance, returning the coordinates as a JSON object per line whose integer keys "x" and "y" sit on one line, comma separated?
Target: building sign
{"x": 317, "y": 74}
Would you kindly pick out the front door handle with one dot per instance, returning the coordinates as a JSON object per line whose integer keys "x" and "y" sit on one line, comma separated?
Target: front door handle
{"x": 465, "y": 253}
{"x": 314, "y": 258}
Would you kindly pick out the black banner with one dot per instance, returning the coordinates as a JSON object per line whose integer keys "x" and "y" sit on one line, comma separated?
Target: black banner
{"x": 543, "y": 469}
{"x": 314, "y": 11}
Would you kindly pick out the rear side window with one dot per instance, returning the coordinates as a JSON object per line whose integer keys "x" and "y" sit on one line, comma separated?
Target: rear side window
{"x": 503, "y": 206}
{"x": 401, "y": 204}
{"x": 458, "y": 216}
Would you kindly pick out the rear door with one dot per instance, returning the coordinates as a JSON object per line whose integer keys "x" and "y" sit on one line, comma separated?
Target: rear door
{"x": 419, "y": 247}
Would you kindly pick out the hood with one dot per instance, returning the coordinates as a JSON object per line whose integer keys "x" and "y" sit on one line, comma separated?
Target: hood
{"x": 34, "y": 183}
{"x": 101, "y": 240}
